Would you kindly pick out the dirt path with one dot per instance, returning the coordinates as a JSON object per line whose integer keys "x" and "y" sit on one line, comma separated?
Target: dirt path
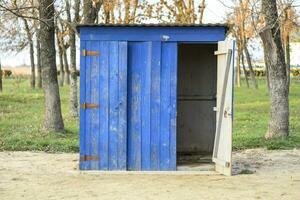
{"x": 27, "y": 175}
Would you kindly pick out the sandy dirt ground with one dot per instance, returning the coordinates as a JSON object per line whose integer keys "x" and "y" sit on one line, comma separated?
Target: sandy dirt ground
{"x": 28, "y": 175}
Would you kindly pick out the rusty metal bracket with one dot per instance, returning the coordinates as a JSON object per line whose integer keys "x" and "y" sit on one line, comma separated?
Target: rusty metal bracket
{"x": 89, "y": 158}
{"x": 90, "y": 53}
{"x": 227, "y": 164}
{"x": 89, "y": 105}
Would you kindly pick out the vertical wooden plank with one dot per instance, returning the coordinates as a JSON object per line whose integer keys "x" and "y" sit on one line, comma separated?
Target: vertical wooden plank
{"x": 122, "y": 129}
{"x": 134, "y": 107}
{"x": 94, "y": 113}
{"x": 113, "y": 104}
{"x": 155, "y": 104}
{"x": 173, "y": 96}
{"x": 104, "y": 105}
{"x": 129, "y": 159}
{"x": 165, "y": 108}
{"x": 82, "y": 141}
{"x": 87, "y": 111}
{"x": 145, "y": 70}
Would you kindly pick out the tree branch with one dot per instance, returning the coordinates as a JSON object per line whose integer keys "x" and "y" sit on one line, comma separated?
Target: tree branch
{"x": 21, "y": 16}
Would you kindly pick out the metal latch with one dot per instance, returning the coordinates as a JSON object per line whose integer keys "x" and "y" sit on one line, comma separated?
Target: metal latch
{"x": 89, "y": 105}
{"x": 165, "y": 38}
{"x": 90, "y": 53}
{"x": 227, "y": 113}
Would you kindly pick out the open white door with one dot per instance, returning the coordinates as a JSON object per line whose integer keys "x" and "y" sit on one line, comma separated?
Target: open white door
{"x": 223, "y": 136}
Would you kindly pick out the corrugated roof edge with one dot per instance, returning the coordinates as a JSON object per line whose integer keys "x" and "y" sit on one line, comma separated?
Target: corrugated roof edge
{"x": 155, "y": 25}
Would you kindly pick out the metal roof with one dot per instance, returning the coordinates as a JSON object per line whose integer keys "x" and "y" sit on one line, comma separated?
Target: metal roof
{"x": 171, "y": 25}
{"x": 108, "y": 30}
{"x": 155, "y": 25}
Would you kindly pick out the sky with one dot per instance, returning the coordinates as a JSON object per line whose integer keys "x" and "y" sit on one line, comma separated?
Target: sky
{"x": 215, "y": 13}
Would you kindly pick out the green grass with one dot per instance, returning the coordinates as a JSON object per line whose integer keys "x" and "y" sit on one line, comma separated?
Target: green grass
{"x": 252, "y": 114}
{"x": 21, "y": 119}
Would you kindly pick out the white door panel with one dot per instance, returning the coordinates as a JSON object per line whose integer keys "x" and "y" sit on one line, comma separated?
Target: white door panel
{"x": 223, "y": 136}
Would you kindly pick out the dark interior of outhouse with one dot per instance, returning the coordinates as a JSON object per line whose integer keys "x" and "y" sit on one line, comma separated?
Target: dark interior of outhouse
{"x": 196, "y": 120}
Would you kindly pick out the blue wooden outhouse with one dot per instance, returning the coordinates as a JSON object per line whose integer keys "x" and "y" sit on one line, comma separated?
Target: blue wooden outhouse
{"x": 155, "y": 97}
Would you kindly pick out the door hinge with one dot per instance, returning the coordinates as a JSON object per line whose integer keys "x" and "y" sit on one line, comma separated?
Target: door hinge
{"x": 90, "y": 53}
{"x": 227, "y": 164}
{"x": 89, "y": 105}
{"x": 89, "y": 158}
{"x": 227, "y": 113}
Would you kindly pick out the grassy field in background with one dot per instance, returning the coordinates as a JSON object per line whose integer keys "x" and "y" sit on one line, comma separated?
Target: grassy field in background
{"x": 21, "y": 118}
{"x": 251, "y": 116}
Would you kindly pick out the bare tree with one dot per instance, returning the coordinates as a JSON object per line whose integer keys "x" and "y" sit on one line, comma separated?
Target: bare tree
{"x": 65, "y": 47}
{"x": 119, "y": 11}
{"x": 38, "y": 59}
{"x": 31, "y": 50}
{"x": 53, "y": 117}
{"x": 63, "y": 44}
{"x": 20, "y": 12}
{"x": 288, "y": 23}
{"x": 181, "y": 11}
{"x": 274, "y": 59}
{"x": 73, "y": 91}
{"x": 248, "y": 58}
{"x": 60, "y": 55}
{"x": 243, "y": 29}
{"x": 244, "y": 69}
{"x": 91, "y": 10}
{"x": 201, "y": 10}
{"x": 238, "y": 63}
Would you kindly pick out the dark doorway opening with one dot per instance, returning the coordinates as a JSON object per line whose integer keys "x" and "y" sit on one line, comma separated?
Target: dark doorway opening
{"x": 196, "y": 119}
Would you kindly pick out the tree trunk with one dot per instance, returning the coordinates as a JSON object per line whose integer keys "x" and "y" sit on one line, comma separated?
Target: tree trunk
{"x": 133, "y": 15}
{"x": 244, "y": 69}
{"x": 32, "y": 80}
{"x": 60, "y": 56}
{"x": 252, "y": 74}
{"x": 127, "y": 12}
{"x": 274, "y": 54}
{"x": 202, "y": 7}
{"x": 287, "y": 53}
{"x": 31, "y": 51}
{"x": 38, "y": 60}
{"x": 61, "y": 67}
{"x": 238, "y": 68}
{"x": 66, "y": 65}
{"x": 53, "y": 116}
{"x": 267, "y": 73}
{"x": 73, "y": 89}
{"x": 1, "y": 87}
{"x": 90, "y": 11}
{"x": 288, "y": 61}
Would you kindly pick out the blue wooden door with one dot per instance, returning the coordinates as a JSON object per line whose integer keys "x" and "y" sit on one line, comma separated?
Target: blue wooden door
{"x": 152, "y": 83}
{"x": 103, "y": 99}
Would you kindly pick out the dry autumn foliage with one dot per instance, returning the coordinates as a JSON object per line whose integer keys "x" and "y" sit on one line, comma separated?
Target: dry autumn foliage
{"x": 244, "y": 23}
{"x": 135, "y": 11}
{"x": 288, "y": 19}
